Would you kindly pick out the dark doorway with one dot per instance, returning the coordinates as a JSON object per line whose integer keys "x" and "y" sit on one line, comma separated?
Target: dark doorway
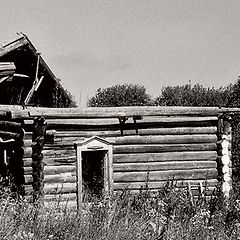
{"x": 93, "y": 174}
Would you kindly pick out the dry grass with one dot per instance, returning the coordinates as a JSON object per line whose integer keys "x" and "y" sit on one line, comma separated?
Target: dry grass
{"x": 168, "y": 214}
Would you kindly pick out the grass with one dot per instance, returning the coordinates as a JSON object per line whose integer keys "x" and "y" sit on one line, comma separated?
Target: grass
{"x": 167, "y": 214}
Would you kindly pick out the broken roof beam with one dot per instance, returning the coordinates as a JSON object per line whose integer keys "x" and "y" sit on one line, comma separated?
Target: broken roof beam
{"x": 7, "y": 70}
{"x": 13, "y": 45}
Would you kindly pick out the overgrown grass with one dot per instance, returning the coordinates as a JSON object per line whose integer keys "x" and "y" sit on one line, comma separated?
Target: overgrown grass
{"x": 170, "y": 213}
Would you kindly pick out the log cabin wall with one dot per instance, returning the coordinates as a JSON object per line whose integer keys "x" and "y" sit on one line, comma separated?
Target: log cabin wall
{"x": 151, "y": 145}
{"x": 149, "y": 149}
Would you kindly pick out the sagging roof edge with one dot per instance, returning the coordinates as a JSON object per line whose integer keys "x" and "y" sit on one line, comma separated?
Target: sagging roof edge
{"x": 23, "y": 40}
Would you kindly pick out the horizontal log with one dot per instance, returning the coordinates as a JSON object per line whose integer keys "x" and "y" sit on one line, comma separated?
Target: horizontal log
{"x": 111, "y": 112}
{"x": 160, "y": 184}
{"x": 164, "y": 139}
{"x": 27, "y": 152}
{"x": 74, "y": 121}
{"x": 198, "y": 174}
{"x": 162, "y": 166}
{"x": 60, "y": 178}
{"x": 114, "y": 112}
{"x": 163, "y": 148}
{"x": 56, "y": 188}
{"x": 112, "y": 121}
{"x": 74, "y": 135}
{"x": 137, "y": 139}
{"x": 161, "y": 157}
{"x": 28, "y": 170}
{"x": 50, "y": 170}
{"x": 67, "y": 147}
{"x": 53, "y": 153}
{"x": 27, "y": 162}
{"x": 60, "y": 161}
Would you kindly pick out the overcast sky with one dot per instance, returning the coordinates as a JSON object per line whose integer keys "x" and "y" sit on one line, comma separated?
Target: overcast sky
{"x": 90, "y": 44}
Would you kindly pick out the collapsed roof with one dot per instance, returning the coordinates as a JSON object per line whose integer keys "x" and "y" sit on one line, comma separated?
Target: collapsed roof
{"x": 26, "y": 79}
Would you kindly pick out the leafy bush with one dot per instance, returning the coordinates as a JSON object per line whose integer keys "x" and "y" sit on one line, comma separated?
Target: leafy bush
{"x": 120, "y": 95}
{"x": 196, "y": 95}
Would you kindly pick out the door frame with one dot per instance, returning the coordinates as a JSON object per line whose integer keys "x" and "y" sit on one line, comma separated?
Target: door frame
{"x": 95, "y": 143}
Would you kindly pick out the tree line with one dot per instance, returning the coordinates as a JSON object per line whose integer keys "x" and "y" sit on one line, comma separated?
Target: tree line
{"x": 180, "y": 95}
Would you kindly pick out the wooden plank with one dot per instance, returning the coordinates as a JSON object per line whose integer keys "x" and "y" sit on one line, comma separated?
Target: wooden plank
{"x": 144, "y": 148}
{"x": 161, "y": 184}
{"x": 161, "y": 157}
{"x": 198, "y": 174}
{"x": 161, "y": 166}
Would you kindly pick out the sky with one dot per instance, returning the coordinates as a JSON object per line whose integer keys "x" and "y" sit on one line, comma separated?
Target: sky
{"x": 98, "y": 43}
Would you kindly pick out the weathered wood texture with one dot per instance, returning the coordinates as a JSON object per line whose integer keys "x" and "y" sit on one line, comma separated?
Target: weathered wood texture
{"x": 155, "y": 149}
{"x": 151, "y": 144}
{"x": 63, "y": 113}
{"x": 40, "y": 127}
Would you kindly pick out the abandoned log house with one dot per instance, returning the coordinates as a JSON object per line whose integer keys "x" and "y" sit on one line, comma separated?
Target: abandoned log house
{"x": 76, "y": 153}
{"x": 51, "y": 151}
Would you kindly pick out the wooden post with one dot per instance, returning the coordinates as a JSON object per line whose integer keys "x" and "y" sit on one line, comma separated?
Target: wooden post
{"x": 39, "y": 131}
{"x": 224, "y": 135}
